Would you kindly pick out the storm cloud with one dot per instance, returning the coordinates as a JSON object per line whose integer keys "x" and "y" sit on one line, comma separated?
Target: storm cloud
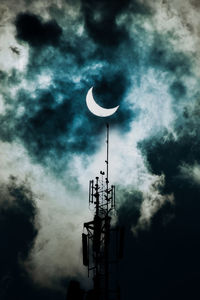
{"x": 30, "y": 29}
{"x": 141, "y": 55}
{"x": 18, "y": 232}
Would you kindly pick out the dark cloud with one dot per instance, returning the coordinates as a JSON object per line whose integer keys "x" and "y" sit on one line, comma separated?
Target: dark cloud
{"x": 180, "y": 150}
{"x": 49, "y": 128}
{"x": 17, "y": 217}
{"x": 101, "y": 19}
{"x": 178, "y": 90}
{"x": 30, "y": 28}
{"x": 165, "y": 57}
{"x": 110, "y": 88}
{"x": 130, "y": 207}
{"x": 45, "y": 129}
{"x": 54, "y": 130}
{"x": 75, "y": 291}
{"x": 18, "y": 231}
{"x": 195, "y": 3}
{"x": 163, "y": 261}
{"x": 22, "y": 288}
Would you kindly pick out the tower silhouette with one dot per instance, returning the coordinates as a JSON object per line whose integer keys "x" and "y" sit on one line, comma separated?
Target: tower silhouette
{"x": 102, "y": 242}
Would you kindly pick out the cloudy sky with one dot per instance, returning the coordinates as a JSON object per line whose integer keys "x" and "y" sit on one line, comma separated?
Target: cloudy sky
{"x": 142, "y": 55}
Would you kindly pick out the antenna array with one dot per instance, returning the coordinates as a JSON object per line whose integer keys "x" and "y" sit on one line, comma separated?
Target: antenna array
{"x": 101, "y": 242}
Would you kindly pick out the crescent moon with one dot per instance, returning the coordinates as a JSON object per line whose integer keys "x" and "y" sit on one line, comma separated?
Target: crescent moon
{"x": 97, "y": 109}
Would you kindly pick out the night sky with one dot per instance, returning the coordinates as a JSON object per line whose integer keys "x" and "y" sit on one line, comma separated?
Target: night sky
{"x": 143, "y": 55}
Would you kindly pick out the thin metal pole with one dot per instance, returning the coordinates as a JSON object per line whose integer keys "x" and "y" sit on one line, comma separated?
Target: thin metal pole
{"x": 107, "y": 223}
{"x": 107, "y": 157}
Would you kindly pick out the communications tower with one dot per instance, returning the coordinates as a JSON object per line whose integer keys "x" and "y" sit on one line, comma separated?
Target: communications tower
{"x": 102, "y": 242}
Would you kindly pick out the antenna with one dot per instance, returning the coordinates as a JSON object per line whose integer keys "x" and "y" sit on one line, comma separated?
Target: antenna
{"x": 107, "y": 153}
{"x": 101, "y": 244}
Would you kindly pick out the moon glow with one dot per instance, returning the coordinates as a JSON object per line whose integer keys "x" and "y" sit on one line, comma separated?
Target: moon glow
{"x": 97, "y": 109}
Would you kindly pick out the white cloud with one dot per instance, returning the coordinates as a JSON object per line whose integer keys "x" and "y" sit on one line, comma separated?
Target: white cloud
{"x": 191, "y": 172}
{"x": 153, "y": 201}
{"x": 8, "y": 59}
{"x": 62, "y": 210}
{"x": 61, "y": 215}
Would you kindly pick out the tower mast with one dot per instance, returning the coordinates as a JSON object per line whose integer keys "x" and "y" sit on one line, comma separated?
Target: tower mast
{"x": 98, "y": 238}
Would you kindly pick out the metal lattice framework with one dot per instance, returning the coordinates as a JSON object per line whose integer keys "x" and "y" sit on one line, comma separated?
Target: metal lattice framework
{"x": 99, "y": 255}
